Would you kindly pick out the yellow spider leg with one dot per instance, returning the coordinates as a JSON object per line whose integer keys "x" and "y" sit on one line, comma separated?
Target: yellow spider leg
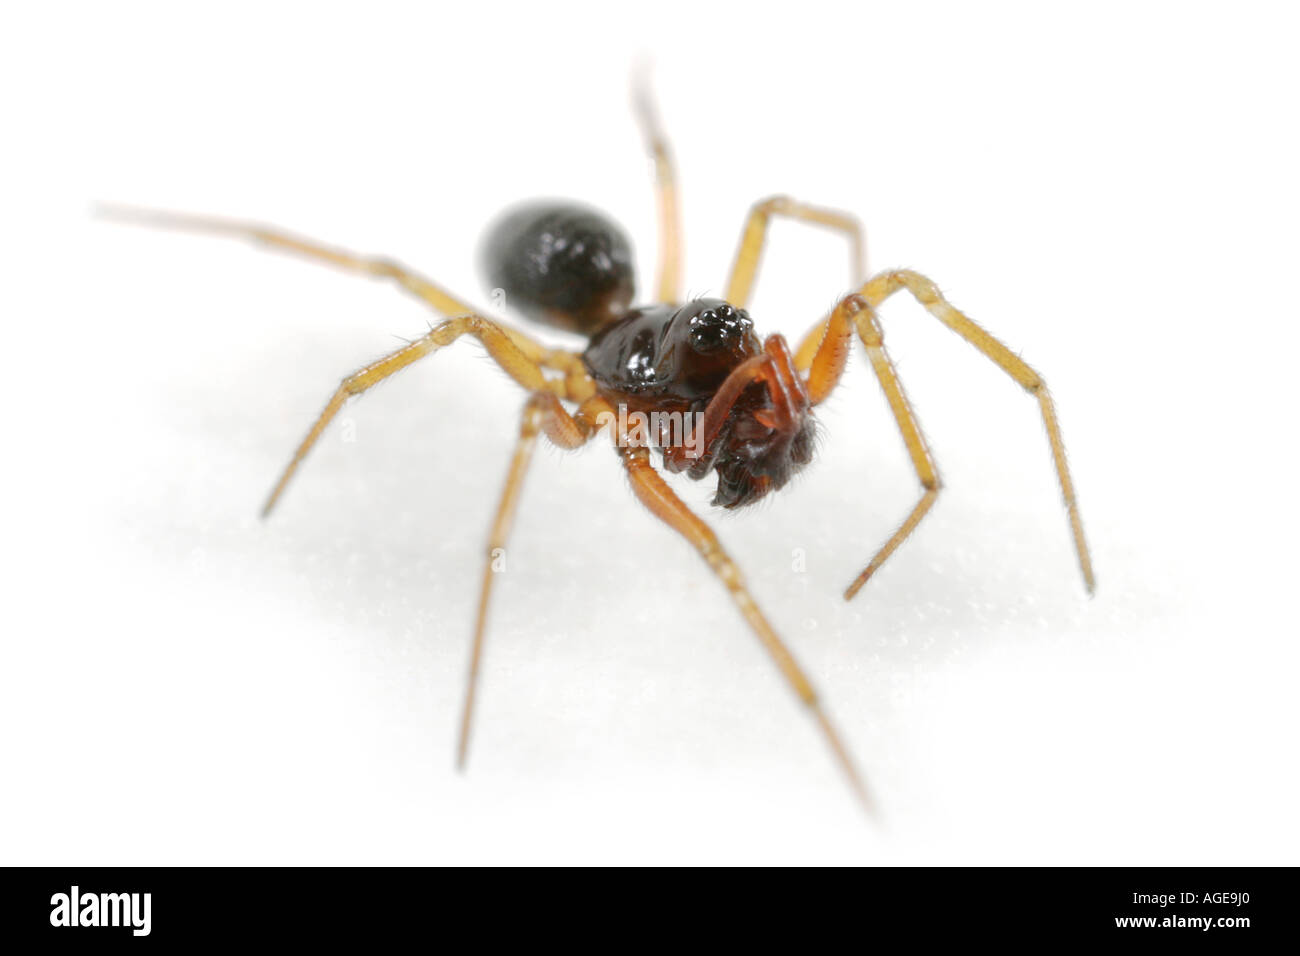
{"x": 754, "y": 236}
{"x": 868, "y": 326}
{"x": 439, "y": 298}
{"x": 825, "y": 369}
{"x": 876, "y": 291}
{"x": 668, "y": 286}
{"x": 809, "y": 345}
{"x": 500, "y": 346}
{"x": 543, "y": 412}
{"x": 655, "y": 494}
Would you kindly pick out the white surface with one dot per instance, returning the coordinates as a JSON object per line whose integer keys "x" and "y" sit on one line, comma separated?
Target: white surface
{"x": 1112, "y": 192}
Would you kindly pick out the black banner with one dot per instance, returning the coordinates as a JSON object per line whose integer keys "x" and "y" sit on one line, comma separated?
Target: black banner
{"x": 858, "y": 908}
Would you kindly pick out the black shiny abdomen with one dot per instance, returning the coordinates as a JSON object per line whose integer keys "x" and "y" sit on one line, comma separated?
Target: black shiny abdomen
{"x": 561, "y": 263}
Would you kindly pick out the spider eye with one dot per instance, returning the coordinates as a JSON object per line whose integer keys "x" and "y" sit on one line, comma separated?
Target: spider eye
{"x": 708, "y": 333}
{"x": 707, "y": 340}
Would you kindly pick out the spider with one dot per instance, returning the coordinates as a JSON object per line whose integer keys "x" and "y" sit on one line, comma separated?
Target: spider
{"x": 690, "y": 379}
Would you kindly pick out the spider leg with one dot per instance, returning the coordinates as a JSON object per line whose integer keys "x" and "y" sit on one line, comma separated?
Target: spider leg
{"x": 668, "y": 285}
{"x": 743, "y": 271}
{"x": 827, "y": 363}
{"x": 825, "y": 369}
{"x": 543, "y": 412}
{"x": 283, "y": 241}
{"x": 881, "y": 287}
{"x": 500, "y": 345}
{"x": 655, "y": 494}
{"x": 427, "y": 291}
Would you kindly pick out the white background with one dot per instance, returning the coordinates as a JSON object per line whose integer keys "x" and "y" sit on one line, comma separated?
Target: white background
{"x": 1112, "y": 191}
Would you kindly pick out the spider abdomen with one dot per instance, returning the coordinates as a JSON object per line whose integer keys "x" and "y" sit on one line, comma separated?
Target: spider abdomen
{"x": 561, "y": 263}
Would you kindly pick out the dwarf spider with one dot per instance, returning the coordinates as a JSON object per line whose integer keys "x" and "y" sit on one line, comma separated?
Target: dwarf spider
{"x": 692, "y": 379}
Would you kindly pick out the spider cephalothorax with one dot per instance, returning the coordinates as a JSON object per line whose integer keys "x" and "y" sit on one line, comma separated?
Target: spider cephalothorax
{"x": 749, "y": 417}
